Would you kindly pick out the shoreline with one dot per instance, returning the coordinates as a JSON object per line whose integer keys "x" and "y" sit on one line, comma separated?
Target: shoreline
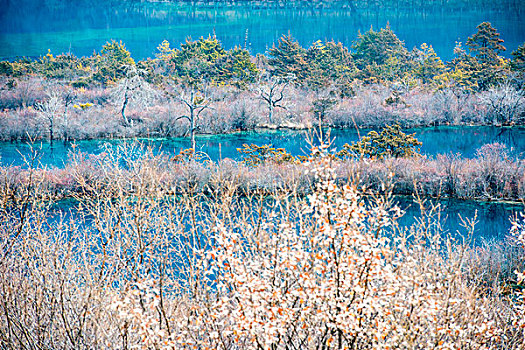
{"x": 263, "y": 128}
{"x": 482, "y": 180}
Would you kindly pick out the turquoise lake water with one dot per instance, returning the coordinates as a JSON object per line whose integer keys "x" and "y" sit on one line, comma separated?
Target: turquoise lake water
{"x": 493, "y": 218}
{"x": 30, "y": 27}
{"x": 464, "y": 141}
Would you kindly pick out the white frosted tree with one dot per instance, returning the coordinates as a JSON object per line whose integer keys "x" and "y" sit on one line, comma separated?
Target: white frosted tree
{"x": 272, "y": 90}
{"x": 49, "y": 111}
{"x": 132, "y": 90}
{"x": 196, "y": 99}
{"x": 505, "y": 104}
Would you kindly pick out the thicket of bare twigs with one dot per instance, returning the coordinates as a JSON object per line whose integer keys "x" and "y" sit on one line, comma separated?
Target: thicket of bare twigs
{"x": 39, "y": 109}
{"x": 492, "y": 175}
{"x": 133, "y": 267}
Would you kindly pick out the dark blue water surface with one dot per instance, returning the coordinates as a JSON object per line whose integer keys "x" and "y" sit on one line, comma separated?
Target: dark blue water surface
{"x": 464, "y": 141}
{"x": 492, "y": 219}
{"x": 31, "y": 27}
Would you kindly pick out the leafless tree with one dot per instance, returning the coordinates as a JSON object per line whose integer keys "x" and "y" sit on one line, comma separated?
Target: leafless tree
{"x": 196, "y": 99}
{"x": 505, "y": 104}
{"x": 134, "y": 90}
{"x": 49, "y": 111}
{"x": 321, "y": 105}
{"x": 271, "y": 90}
{"x": 28, "y": 90}
{"x": 68, "y": 97}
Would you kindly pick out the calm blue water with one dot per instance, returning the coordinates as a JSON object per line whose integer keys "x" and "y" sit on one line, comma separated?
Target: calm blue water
{"x": 439, "y": 140}
{"x": 492, "y": 219}
{"x": 31, "y": 27}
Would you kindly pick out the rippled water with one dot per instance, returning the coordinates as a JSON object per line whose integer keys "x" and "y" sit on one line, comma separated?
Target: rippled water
{"x": 437, "y": 140}
{"x": 30, "y": 27}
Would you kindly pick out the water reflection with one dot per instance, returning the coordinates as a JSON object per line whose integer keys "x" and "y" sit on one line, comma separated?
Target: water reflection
{"x": 437, "y": 140}
{"x": 30, "y": 29}
{"x": 492, "y": 219}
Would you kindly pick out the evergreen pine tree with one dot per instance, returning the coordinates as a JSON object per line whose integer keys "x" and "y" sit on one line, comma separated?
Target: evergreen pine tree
{"x": 378, "y": 47}
{"x": 517, "y": 65}
{"x": 485, "y": 46}
{"x": 329, "y": 63}
{"x": 518, "y": 59}
{"x": 288, "y": 58}
{"x": 380, "y": 56}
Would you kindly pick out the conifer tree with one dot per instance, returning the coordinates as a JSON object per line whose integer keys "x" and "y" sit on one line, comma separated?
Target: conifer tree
{"x": 206, "y": 60}
{"x": 427, "y": 64}
{"x": 518, "y": 58}
{"x": 459, "y": 77}
{"x": 377, "y": 47}
{"x": 485, "y": 46}
{"x": 517, "y": 65}
{"x": 235, "y": 68}
{"x": 380, "y": 55}
{"x": 113, "y": 60}
{"x": 329, "y": 63}
{"x": 195, "y": 60}
{"x": 288, "y": 57}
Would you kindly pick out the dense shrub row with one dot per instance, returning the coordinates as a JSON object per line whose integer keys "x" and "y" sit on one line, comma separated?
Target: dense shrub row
{"x": 492, "y": 175}
{"x": 90, "y": 114}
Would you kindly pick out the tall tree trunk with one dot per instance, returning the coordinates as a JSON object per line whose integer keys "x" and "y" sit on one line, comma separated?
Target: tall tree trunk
{"x": 123, "y": 110}
{"x": 192, "y": 129}
{"x": 320, "y": 115}
{"x": 51, "y": 136}
{"x": 66, "y": 136}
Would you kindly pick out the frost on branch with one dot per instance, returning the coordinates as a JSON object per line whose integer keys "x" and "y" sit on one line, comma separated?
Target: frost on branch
{"x": 332, "y": 271}
{"x": 336, "y": 277}
{"x": 518, "y": 232}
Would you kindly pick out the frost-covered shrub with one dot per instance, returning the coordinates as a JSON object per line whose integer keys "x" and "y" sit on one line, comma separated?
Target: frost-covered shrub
{"x": 329, "y": 272}
{"x": 156, "y": 253}
{"x": 505, "y": 105}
